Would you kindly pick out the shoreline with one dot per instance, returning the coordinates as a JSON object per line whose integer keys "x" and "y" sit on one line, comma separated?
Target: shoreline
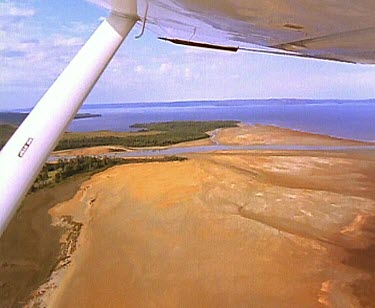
{"x": 313, "y": 133}
{"x": 226, "y": 136}
{"x": 258, "y": 134}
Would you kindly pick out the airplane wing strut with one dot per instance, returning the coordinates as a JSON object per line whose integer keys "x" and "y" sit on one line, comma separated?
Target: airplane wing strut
{"x": 23, "y": 156}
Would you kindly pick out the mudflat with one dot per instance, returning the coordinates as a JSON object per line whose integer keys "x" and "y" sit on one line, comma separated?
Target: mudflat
{"x": 98, "y": 150}
{"x": 30, "y": 247}
{"x": 264, "y": 229}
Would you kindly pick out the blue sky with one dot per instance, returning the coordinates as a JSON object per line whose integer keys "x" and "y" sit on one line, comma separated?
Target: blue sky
{"x": 38, "y": 38}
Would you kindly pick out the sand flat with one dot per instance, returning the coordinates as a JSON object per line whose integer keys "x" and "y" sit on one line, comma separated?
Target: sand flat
{"x": 273, "y": 135}
{"x": 254, "y": 229}
{"x": 223, "y": 229}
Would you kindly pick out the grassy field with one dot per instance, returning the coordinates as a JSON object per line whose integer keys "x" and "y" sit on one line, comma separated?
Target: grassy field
{"x": 106, "y": 133}
{"x": 149, "y": 134}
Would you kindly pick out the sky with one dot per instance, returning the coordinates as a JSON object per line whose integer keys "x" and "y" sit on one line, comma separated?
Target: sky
{"x": 38, "y": 38}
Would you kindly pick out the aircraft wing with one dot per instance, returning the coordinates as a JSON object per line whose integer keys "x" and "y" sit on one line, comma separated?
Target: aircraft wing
{"x": 341, "y": 30}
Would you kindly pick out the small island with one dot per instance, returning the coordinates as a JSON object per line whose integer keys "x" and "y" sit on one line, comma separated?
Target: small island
{"x": 87, "y": 115}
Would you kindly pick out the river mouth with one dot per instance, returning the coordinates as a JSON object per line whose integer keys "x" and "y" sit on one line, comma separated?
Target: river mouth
{"x": 215, "y": 148}
{"x": 240, "y": 138}
{"x": 218, "y": 147}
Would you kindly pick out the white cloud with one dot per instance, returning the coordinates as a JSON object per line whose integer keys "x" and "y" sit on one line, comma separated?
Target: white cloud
{"x": 11, "y": 9}
{"x": 13, "y": 18}
{"x": 63, "y": 41}
{"x": 31, "y": 55}
{"x": 188, "y": 74}
{"x": 139, "y": 69}
{"x": 165, "y": 68}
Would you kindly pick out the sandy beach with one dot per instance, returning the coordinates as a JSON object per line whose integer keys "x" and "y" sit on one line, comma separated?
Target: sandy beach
{"x": 249, "y": 229}
{"x": 273, "y": 135}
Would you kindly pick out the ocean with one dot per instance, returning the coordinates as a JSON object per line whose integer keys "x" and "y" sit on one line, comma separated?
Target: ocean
{"x": 346, "y": 119}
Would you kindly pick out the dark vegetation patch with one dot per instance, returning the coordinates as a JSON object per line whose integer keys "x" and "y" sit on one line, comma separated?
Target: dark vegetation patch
{"x": 168, "y": 133}
{"x": 6, "y": 131}
{"x": 54, "y": 173}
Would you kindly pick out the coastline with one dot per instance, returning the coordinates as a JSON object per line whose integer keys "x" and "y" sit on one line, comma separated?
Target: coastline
{"x": 16, "y": 118}
{"x": 244, "y": 134}
{"x": 219, "y": 205}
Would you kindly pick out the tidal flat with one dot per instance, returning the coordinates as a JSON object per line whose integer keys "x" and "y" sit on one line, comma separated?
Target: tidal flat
{"x": 237, "y": 228}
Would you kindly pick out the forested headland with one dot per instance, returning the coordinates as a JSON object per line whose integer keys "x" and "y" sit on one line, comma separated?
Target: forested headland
{"x": 16, "y": 118}
{"x": 148, "y": 135}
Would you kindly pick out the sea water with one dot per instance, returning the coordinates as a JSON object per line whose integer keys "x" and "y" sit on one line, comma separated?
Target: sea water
{"x": 346, "y": 119}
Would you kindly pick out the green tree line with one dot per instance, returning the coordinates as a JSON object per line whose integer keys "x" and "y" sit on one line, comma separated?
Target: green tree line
{"x": 53, "y": 173}
{"x": 170, "y": 133}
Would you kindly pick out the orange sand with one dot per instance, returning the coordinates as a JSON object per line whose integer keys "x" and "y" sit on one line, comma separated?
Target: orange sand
{"x": 227, "y": 229}
{"x": 272, "y": 135}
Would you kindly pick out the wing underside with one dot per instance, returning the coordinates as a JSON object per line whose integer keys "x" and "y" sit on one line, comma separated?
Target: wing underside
{"x": 342, "y": 30}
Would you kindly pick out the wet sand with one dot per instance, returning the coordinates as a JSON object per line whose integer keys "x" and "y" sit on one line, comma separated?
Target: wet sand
{"x": 99, "y": 150}
{"x": 253, "y": 229}
{"x": 273, "y": 135}
{"x": 30, "y": 248}
{"x": 264, "y": 229}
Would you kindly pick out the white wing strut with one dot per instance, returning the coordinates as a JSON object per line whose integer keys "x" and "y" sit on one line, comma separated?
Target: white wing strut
{"x": 23, "y": 156}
